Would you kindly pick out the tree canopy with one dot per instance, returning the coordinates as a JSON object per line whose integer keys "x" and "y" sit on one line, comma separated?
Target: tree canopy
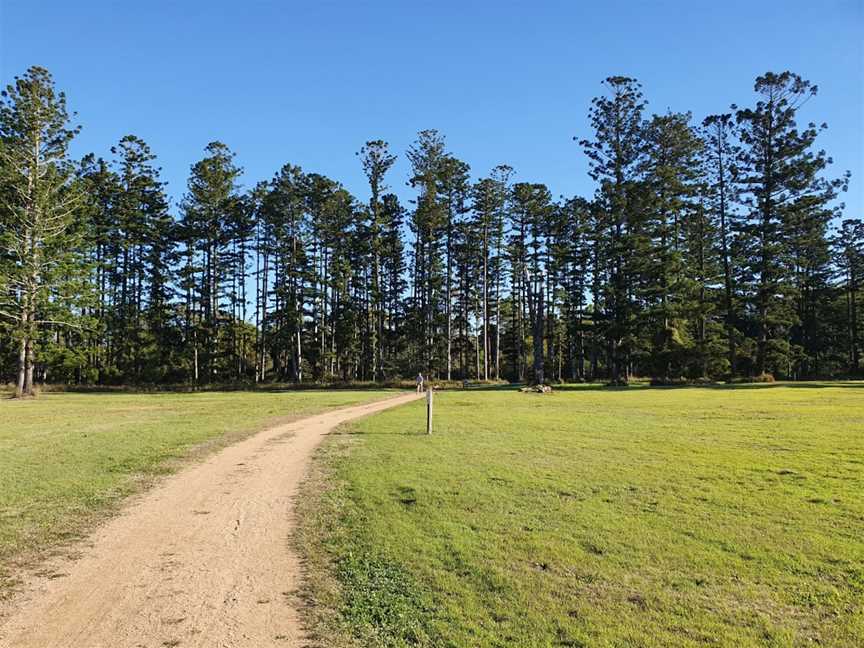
{"x": 712, "y": 249}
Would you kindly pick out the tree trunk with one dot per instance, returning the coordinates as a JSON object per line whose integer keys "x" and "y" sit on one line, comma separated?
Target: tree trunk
{"x": 22, "y": 369}
{"x": 29, "y": 365}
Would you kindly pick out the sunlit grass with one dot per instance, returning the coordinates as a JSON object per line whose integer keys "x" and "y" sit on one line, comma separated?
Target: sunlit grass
{"x": 65, "y": 458}
{"x": 594, "y": 517}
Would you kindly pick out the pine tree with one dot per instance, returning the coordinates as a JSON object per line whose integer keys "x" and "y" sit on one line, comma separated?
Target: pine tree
{"x": 501, "y": 176}
{"x": 454, "y": 187}
{"x": 428, "y": 225}
{"x": 139, "y": 266}
{"x": 806, "y": 231}
{"x": 671, "y": 176}
{"x": 780, "y": 181}
{"x": 719, "y": 156}
{"x": 517, "y": 264}
{"x": 486, "y": 208}
{"x": 849, "y": 255}
{"x": 570, "y": 257}
{"x": 703, "y": 272}
{"x": 393, "y": 284}
{"x": 376, "y": 160}
{"x": 242, "y": 232}
{"x": 284, "y": 211}
{"x": 531, "y": 212}
{"x": 614, "y": 156}
{"x": 102, "y": 186}
{"x": 261, "y": 252}
{"x": 466, "y": 296}
{"x": 209, "y": 209}
{"x": 42, "y": 240}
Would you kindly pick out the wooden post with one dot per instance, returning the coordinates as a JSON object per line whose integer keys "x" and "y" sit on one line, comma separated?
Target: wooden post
{"x": 429, "y": 409}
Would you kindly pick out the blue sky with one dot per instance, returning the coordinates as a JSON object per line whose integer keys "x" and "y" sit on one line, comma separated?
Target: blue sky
{"x": 505, "y": 82}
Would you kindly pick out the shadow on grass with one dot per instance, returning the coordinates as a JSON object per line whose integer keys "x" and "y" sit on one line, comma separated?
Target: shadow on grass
{"x": 420, "y": 431}
{"x": 484, "y": 388}
{"x": 846, "y": 384}
{"x": 843, "y": 384}
{"x": 282, "y": 388}
{"x": 216, "y": 389}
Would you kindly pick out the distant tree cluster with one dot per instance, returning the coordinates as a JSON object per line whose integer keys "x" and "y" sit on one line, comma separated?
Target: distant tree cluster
{"x": 707, "y": 251}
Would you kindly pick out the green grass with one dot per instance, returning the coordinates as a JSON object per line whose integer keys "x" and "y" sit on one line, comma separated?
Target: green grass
{"x": 595, "y": 517}
{"x": 65, "y": 459}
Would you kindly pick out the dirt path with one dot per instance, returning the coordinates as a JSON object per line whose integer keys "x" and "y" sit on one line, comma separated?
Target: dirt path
{"x": 202, "y": 560}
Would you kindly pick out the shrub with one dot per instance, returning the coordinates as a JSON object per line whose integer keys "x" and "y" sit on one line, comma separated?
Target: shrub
{"x": 761, "y": 378}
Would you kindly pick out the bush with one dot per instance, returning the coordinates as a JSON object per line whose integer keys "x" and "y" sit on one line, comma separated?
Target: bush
{"x": 703, "y": 380}
{"x": 761, "y": 378}
{"x": 666, "y": 381}
{"x": 620, "y": 382}
{"x": 680, "y": 381}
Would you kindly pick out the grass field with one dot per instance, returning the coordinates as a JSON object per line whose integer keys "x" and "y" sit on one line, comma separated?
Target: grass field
{"x": 65, "y": 459}
{"x": 593, "y": 517}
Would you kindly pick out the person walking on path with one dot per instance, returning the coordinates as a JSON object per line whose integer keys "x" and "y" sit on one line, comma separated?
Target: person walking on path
{"x": 420, "y": 381}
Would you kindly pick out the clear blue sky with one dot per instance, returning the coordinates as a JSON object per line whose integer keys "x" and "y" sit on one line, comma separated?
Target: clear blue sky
{"x": 506, "y": 82}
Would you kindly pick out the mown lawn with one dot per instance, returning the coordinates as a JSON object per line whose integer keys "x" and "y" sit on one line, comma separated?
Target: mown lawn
{"x": 593, "y": 517}
{"x": 67, "y": 458}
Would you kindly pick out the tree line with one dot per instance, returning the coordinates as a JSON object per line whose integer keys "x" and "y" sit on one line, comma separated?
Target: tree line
{"x": 708, "y": 250}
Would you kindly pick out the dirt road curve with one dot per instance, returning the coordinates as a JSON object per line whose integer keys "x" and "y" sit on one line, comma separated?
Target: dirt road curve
{"x": 202, "y": 560}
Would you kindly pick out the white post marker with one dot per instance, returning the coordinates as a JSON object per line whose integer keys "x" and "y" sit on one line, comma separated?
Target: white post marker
{"x": 429, "y": 409}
